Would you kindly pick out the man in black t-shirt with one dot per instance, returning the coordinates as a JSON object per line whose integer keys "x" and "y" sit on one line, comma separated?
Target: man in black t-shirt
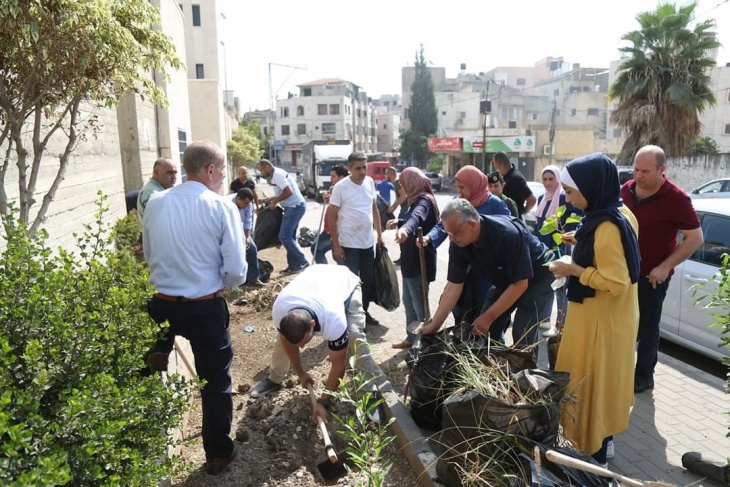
{"x": 515, "y": 184}
{"x": 244, "y": 182}
{"x": 502, "y": 250}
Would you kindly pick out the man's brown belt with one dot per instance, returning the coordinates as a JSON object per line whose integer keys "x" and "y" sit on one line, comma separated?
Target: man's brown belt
{"x": 181, "y": 299}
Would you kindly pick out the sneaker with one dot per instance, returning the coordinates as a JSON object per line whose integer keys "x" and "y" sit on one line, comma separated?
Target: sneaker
{"x": 264, "y": 387}
{"x": 289, "y": 270}
{"x": 257, "y": 283}
{"x": 370, "y": 321}
{"x": 610, "y": 449}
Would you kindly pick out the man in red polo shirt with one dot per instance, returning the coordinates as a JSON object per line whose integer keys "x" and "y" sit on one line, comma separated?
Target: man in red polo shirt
{"x": 663, "y": 209}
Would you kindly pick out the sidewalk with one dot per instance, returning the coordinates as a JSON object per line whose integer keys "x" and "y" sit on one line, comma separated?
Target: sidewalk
{"x": 685, "y": 412}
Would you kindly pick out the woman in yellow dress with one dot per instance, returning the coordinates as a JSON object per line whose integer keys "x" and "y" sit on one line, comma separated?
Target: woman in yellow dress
{"x": 597, "y": 347}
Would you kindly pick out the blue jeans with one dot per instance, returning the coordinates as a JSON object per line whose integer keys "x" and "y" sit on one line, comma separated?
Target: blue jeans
{"x": 205, "y": 325}
{"x": 324, "y": 245}
{"x": 288, "y": 235}
{"x": 532, "y": 307}
{"x": 252, "y": 259}
{"x": 650, "y": 313}
{"x": 561, "y": 300}
{"x": 361, "y": 262}
{"x": 413, "y": 302}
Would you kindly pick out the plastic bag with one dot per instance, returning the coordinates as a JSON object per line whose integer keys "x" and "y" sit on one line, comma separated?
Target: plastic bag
{"x": 386, "y": 292}
{"x": 265, "y": 270}
{"x": 266, "y": 231}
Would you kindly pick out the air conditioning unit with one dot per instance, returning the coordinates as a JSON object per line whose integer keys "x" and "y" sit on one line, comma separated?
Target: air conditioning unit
{"x": 459, "y": 121}
{"x": 548, "y": 149}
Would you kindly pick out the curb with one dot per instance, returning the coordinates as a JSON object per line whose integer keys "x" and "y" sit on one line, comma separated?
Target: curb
{"x": 413, "y": 444}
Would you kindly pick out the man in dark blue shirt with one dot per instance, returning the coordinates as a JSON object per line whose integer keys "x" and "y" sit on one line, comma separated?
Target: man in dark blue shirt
{"x": 508, "y": 256}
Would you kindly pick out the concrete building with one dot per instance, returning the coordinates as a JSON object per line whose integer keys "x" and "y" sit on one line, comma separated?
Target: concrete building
{"x": 716, "y": 119}
{"x": 213, "y": 110}
{"x": 329, "y": 108}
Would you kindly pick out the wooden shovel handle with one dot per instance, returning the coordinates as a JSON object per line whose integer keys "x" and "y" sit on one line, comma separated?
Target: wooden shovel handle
{"x": 329, "y": 448}
{"x": 561, "y": 459}
{"x": 424, "y": 278}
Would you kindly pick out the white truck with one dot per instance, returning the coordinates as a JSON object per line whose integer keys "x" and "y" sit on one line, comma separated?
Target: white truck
{"x": 318, "y": 159}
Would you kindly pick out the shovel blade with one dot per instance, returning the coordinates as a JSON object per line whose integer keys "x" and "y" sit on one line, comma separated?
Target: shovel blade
{"x": 331, "y": 472}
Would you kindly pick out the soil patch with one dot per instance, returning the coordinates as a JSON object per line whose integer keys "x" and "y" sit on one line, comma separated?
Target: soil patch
{"x": 278, "y": 444}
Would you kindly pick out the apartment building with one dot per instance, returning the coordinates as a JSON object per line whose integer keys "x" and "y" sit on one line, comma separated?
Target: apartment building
{"x": 716, "y": 119}
{"x": 388, "y": 116}
{"x": 329, "y": 108}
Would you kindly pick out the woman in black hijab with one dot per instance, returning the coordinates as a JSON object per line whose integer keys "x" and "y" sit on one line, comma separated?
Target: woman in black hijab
{"x": 597, "y": 346}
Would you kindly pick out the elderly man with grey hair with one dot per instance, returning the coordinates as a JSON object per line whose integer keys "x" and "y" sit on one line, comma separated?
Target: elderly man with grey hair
{"x": 194, "y": 246}
{"x": 504, "y": 251}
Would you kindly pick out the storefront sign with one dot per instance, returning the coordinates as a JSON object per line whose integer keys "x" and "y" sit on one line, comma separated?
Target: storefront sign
{"x": 521, "y": 143}
{"x": 293, "y": 146}
{"x": 444, "y": 144}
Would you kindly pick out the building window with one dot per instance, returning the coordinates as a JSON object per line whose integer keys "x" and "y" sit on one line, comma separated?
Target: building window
{"x": 521, "y": 81}
{"x": 593, "y": 112}
{"x": 334, "y": 109}
{"x": 406, "y": 112}
{"x": 508, "y": 113}
{"x": 573, "y": 112}
{"x": 300, "y": 111}
{"x": 182, "y": 143}
{"x": 196, "y": 15}
{"x": 199, "y": 71}
{"x": 727, "y": 129}
{"x": 329, "y": 129}
{"x": 534, "y": 116}
{"x": 443, "y": 113}
{"x": 385, "y": 126}
{"x": 284, "y": 112}
{"x": 322, "y": 109}
{"x": 284, "y": 130}
{"x": 359, "y": 113}
{"x": 556, "y": 93}
{"x": 358, "y": 130}
{"x": 307, "y": 92}
{"x": 462, "y": 114}
{"x": 301, "y": 128}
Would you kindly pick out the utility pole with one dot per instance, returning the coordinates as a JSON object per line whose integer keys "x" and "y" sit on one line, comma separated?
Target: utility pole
{"x": 272, "y": 108}
{"x": 485, "y": 107}
{"x": 552, "y": 131}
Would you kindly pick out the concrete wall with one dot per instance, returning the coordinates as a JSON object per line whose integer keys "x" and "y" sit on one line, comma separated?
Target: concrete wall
{"x": 137, "y": 139}
{"x": 690, "y": 172}
{"x": 93, "y": 166}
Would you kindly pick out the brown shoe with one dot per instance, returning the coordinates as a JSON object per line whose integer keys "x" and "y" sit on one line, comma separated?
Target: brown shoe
{"x": 405, "y": 344}
{"x": 217, "y": 465}
{"x": 157, "y": 361}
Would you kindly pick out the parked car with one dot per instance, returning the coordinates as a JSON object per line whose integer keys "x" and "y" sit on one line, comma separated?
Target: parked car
{"x": 531, "y": 217}
{"x": 684, "y": 320}
{"x": 435, "y": 179}
{"x": 625, "y": 173}
{"x": 714, "y": 187}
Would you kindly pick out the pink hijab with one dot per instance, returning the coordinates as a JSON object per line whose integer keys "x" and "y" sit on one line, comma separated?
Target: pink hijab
{"x": 416, "y": 184}
{"x": 476, "y": 182}
{"x": 551, "y": 197}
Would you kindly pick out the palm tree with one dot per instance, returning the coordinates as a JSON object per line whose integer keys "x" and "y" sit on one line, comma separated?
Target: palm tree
{"x": 664, "y": 83}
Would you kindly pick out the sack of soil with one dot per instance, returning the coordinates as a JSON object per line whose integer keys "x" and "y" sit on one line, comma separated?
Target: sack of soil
{"x": 433, "y": 375}
{"x": 386, "y": 292}
{"x": 479, "y": 428}
{"x": 265, "y": 270}
{"x": 266, "y": 230}
{"x": 553, "y": 345}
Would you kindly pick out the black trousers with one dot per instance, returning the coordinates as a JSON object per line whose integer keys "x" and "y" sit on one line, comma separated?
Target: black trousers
{"x": 205, "y": 325}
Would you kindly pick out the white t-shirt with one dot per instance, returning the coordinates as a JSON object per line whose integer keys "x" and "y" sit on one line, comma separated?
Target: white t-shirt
{"x": 280, "y": 180}
{"x": 321, "y": 289}
{"x": 355, "y": 216}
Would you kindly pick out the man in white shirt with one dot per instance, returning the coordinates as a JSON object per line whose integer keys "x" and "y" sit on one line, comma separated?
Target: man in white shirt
{"x": 287, "y": 194}
{"x": 353, "y": 215}
{"x": 194, "y": 246}
{"x": 325, "y": 300}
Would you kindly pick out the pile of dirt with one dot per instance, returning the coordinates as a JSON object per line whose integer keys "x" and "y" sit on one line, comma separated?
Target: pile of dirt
{"x": 278, "y": 443}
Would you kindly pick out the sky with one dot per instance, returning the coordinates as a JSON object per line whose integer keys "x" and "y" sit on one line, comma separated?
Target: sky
{"x": 368, "y": 42}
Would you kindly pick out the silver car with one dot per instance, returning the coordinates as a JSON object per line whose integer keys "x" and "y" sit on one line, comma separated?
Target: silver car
{"x": 685, "y": 320}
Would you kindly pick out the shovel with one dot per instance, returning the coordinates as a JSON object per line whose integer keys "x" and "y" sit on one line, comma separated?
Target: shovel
{"x": 415, "y": 326}
{"x": 332, "y": 468}
{"x": 561, "y": 459}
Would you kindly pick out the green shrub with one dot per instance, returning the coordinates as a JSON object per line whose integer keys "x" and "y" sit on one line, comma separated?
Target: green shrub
{"x": 128, "y": 233}
{"x": 74, "y": 409}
